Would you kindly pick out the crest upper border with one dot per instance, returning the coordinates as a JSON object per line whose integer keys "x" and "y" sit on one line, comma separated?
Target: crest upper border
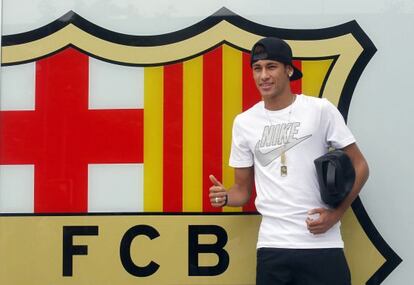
{"x": 222, "y": 27}
{"x": 223, "y": 14}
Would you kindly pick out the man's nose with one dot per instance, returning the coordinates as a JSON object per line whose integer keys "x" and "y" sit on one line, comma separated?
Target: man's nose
{"x": 264, "y": 74}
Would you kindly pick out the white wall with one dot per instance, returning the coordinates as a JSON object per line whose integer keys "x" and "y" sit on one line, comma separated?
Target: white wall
{"x": 379, "y": 115}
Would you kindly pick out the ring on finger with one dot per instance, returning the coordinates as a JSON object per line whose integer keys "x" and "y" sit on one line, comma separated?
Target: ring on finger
{"x": 216, "y": 199}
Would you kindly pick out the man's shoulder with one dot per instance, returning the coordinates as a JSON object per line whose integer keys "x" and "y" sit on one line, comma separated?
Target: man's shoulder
{"x": 307, "y": 99}
{"x": 312, "y": 103}
{"x": 252, "y": 112}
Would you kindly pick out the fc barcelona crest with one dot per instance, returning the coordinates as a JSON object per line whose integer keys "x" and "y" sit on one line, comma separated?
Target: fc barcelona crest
{"x": 125, "y": 124}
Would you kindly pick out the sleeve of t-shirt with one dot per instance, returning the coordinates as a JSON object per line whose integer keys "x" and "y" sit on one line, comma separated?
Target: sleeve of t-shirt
{"x": 338, "y": 134}
{"x": 240, "y": 155}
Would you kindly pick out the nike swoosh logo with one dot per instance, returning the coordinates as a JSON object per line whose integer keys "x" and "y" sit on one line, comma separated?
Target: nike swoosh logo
{"x": 267, "y": 157}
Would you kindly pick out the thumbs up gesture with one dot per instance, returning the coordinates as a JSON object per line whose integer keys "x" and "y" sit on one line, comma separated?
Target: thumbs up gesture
{"x": 218, "y": 194}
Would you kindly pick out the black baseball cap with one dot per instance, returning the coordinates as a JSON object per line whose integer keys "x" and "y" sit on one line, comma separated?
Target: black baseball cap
{"x": 273, "y": 48}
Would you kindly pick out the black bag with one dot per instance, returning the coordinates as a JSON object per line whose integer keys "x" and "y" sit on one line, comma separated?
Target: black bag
{"x": 336, "y": 176}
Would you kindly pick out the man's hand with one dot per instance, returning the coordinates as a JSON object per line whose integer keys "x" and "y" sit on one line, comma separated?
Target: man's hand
{"x": 327, "y": 218}
{"x": 218, "y": 194}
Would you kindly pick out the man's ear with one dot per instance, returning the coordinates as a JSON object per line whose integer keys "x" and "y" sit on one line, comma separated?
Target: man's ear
{"x": 289, "y": 70}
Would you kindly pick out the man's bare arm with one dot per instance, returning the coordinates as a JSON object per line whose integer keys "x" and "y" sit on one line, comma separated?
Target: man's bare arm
{"x": 238, "y": 194}
{"x": 329, "y": 217}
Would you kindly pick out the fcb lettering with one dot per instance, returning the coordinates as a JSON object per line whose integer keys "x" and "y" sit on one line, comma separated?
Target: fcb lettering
{"x": 194, "y": 249}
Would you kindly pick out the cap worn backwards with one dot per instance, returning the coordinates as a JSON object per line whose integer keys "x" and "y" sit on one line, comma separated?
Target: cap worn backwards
{"x": 272, "y": 48}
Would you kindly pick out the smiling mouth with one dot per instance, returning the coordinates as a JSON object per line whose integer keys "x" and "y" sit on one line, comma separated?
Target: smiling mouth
{"x": 266, "y": 86}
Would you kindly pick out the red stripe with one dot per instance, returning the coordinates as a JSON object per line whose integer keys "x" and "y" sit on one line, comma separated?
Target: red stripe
{"x": 250, "y": 97}
{"x": 19, "y": 134}
{"x": 173, "y": 138}
{"x": 212, "y": 122}
{"x": 62, "y": 136}
{"x": 296, "y": 85}
{"x": 125, "y": 128}
{"x": 251, "y": 94}
{"x": 61, "y": 95}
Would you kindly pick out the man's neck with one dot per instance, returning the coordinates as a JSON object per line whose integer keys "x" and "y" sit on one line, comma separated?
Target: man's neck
{"x": 279, "y": 102}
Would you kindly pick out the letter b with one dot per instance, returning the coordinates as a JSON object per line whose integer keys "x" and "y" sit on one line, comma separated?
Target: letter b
{"x": 194, "y": 249}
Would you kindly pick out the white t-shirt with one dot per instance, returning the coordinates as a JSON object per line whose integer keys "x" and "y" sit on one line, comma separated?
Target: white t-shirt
{"x": 305, "y": 130}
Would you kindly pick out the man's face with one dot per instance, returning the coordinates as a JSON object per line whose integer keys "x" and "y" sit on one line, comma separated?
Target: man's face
{"x": 271, "y": 77}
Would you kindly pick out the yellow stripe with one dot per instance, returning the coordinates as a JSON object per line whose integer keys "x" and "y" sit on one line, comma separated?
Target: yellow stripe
{"x": 232, "y": 105}
{"x": 153, "y": 138}
{"x": 314, "y": 73}
{"x": 363, "y": 257}
{"x": 193, "y": 135}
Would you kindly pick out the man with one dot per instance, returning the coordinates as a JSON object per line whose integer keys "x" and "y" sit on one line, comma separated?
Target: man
{"x": 274, "y": 145}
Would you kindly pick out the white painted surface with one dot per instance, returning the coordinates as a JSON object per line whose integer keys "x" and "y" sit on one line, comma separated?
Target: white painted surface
{"x": 16, "y": 188}
{"x": 115, "y": 187}
{"x": 113, "y": 86}
{"x": 380, "y": 113}
{"x": 18, "y": 87}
